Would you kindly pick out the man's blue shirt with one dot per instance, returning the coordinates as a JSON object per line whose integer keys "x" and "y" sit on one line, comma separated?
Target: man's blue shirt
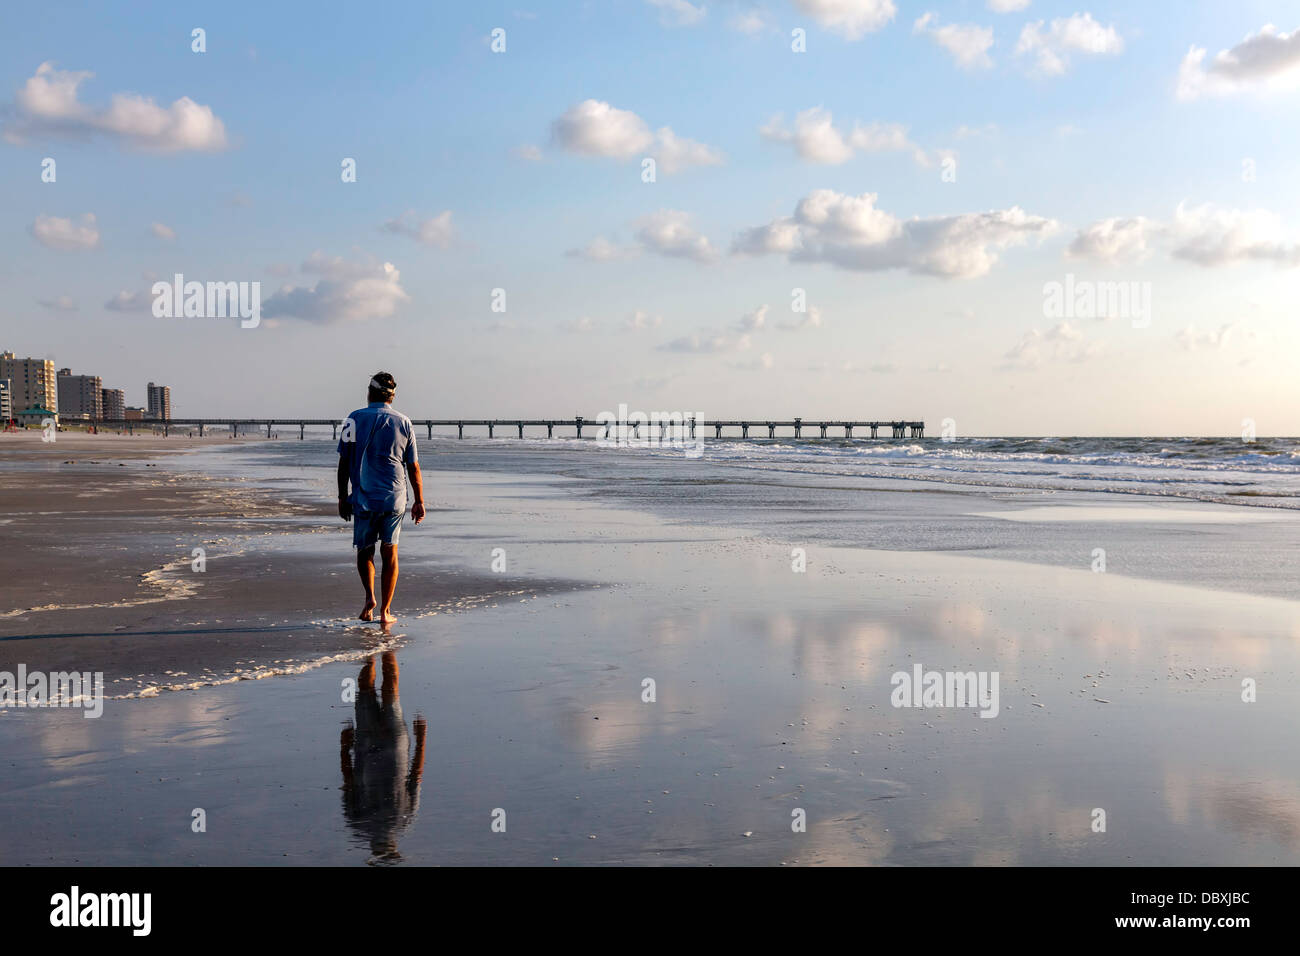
{"x": 380, "y": 445}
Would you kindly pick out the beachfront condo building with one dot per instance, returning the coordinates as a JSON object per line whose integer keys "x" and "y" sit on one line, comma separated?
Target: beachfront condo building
{"x": 33, "y": 381}
{"x": 160, "y": 402}
{"x": 6, "y": 401}
{"x": 112, "y": 402}
{"x": 80, "y": 396}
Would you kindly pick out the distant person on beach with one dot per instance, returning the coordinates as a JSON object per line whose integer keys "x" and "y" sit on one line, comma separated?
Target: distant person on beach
{"x": 376, "y": 456}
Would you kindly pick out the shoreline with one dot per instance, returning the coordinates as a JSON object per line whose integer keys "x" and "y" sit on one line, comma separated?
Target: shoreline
{"x": 122, "y": 590}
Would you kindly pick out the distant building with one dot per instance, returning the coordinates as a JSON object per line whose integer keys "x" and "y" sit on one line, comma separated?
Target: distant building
{"x": 133, "y": 414}
{"x": 80, "y": 396}
{"x": 160, "y": 402}
{"x": 36, "y": 415}
{"x": 6, "y": 401}
{"x": 113, "y": 403}
{"x": 33, "y": 382}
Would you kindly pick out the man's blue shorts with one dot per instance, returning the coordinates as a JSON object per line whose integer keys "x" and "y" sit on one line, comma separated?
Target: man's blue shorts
{"x": 371, "y": 526}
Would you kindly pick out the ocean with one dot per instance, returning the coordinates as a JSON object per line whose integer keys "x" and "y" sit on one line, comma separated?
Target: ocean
{"x": 1211, "y": 512}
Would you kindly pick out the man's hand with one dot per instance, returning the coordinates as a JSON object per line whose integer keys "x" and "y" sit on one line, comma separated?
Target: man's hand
{"x": 417, "y": 511}
{"x": 345, "y": 509}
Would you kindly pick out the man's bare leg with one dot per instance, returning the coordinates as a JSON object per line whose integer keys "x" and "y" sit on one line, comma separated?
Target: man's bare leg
{"x": 366, "y": 568}
{"x": 389, "y": 552}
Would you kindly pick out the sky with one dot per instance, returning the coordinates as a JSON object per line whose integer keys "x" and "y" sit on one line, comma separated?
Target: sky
{"x": 1031, "y": 218}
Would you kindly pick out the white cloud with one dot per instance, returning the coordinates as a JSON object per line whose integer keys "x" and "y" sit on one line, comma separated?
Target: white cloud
{"x": 126, "y": 301}
{"x": 1191, "y": 338}
{"x": 851, "y": 233}
{"x": 601, "y": 249}
{"x": 781, "y": 235}
{"x": 595, "y": 128}
{"x": 749, "y": 22}
{"x": 1212, "y": 236}
{"x": 678, "y": 13}
{"x": 816, "y": 138}
{"x": 639, "y": 321}
{"x": 63, "y": 303}
{"x": 1206, "y": 235}
{"x": 47, "y": 104}
{"x": 434, "y": 231}
{"x": 668, "y": 232}
{"x": 162, "y": 231}
{"x": 1062, "y": 343}
{"x": 706, "y": 344}
{"x": 351, "y": 291}
{"x": 529, "y": 152}
{"x": 1114, "y": 240}
{"x": 811, "y": 319}
{"x": 56, "y": 233}
{"x": 1266, "y": 61}
{"x": 753, "y": 321}
{"x": 675, "y": 153}
{"x": 1007, "y": 6}
{"x": 1051, "y": 48}
{"x": 852, "y": 19}
{"x": 968, "y": 43}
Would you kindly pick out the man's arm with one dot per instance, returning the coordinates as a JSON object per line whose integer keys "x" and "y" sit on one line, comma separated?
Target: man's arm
{"x": 345, "y": 506}
{"x": 417, "y": 483}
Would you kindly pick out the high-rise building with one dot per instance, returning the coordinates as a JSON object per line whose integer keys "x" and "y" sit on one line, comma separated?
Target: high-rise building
{"x": 113, "y": 402}
{"x": 80, "y": 396}
{"x": 33, "y": 383}
{"x": 160, "y": 402}
{"x": 6, "y": 401}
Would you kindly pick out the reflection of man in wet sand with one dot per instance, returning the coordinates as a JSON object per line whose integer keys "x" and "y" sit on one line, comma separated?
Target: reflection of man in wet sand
{"x": 377, "y": 456}
{"x": 381, "y": 779}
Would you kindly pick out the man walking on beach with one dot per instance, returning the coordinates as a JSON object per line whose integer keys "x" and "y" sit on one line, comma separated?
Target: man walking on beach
{"x": 377, "y": 455}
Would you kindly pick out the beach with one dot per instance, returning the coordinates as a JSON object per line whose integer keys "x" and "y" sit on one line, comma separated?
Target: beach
{"x": 625, "y": 658}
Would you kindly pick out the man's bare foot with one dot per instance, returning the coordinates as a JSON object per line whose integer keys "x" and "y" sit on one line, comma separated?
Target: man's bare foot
{"x": 367, "y": 612}
{"x": 387, "y": 617}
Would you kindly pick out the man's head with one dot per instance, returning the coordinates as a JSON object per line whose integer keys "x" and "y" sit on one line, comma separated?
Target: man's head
{"x": 381, "y": 389}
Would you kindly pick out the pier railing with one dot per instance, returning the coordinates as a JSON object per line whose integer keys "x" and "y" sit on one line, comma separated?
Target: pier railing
{"x": 595, "y": 427}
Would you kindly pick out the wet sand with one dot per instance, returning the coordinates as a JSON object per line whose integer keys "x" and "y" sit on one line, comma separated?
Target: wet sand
{"x": 99, "y": 570}
{"x": 772, "y": 695}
